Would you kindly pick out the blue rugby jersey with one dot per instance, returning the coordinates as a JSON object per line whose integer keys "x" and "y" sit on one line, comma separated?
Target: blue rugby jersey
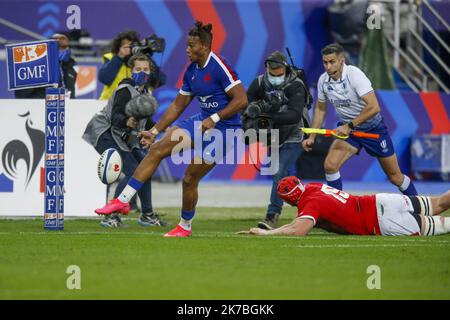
{"x": 210, "y": 85}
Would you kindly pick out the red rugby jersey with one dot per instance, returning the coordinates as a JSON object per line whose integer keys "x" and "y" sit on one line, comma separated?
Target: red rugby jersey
{"x": 337, "y": 211}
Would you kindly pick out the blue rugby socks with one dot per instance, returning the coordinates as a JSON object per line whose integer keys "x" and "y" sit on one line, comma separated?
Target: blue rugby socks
{"x": 334, "y": 180}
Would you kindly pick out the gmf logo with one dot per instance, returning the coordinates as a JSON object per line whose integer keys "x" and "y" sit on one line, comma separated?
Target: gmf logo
{"x": 29, "y": 53}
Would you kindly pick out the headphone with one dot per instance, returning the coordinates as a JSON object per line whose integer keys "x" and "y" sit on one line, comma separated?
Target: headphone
{"x": 281, "y": 62}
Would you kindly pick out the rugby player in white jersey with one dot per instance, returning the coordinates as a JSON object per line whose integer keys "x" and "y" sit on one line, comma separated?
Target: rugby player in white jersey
{"x": 349, "y": 90}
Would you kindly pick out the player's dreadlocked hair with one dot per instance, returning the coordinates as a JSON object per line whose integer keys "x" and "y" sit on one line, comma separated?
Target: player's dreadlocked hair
{"x": 203, "y": 32}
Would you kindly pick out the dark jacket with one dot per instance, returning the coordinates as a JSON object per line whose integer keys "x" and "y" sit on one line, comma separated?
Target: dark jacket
{"x": 69, "y": 76}
{"x": 292, "y": 113}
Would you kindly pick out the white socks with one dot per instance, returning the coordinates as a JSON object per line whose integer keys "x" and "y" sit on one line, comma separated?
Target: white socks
{"x": 405, "y": 183}
{"x": 127, "y": 193}
{"x": 186, "y": 224}
{"x": 332, "y": 176}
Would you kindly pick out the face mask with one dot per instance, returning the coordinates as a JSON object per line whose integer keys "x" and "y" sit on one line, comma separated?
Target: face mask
{"x": 140, "y": 78}
{"x": 275, "y": 81}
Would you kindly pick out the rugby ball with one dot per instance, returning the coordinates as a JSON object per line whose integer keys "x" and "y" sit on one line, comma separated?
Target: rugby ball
{"x": 109, "y": 166}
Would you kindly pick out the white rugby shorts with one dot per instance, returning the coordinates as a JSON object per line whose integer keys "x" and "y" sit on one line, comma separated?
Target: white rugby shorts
{"x": 396, "y": 215}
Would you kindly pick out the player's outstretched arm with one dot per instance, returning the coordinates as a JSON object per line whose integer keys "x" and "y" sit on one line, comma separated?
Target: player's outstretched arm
{"x": 298, "y": 227}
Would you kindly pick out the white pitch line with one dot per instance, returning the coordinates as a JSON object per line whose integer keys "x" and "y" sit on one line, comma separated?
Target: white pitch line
{"x": 323, "y": 236}
{"x": 318, "y": 236}
{"x": 398, "y": 240}
{"x": 320, "y": 246}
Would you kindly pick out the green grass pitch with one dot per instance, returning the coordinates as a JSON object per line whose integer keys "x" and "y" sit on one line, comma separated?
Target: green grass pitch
{"x": 215, "y": 263}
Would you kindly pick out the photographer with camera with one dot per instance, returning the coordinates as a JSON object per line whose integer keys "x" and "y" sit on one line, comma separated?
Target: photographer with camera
{"x": 128, "y": 111}
{"x": 115, "y": 67}
{"x": 278, "y": 99}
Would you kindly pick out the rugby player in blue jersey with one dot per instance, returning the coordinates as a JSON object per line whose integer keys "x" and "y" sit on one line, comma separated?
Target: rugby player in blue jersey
{"x": 349, "y": 90}
{"x": 221, "y": 95}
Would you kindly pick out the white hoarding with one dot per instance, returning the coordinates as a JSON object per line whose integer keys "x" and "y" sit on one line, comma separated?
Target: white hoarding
{"x": 22, "y": 136}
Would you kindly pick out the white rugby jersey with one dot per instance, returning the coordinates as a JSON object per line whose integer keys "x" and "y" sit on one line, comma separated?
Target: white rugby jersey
{"x": 346, "y": 94}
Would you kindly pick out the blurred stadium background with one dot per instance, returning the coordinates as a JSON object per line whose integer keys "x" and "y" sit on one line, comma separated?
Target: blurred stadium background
{"x": 407, "y": 60}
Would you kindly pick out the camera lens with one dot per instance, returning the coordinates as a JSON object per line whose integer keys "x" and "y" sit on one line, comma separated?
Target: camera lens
{"x": 253, "y": 110}
{"x": 136, "y": 50}
{"x": 263, "y": 123}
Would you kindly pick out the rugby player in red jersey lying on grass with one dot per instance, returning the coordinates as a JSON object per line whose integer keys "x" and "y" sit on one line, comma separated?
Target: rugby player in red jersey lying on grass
{"x": 339, "y": 212}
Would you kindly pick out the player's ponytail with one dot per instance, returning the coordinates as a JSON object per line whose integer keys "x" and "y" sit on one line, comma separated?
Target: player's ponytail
{"x": 207, "y": 27}
{"x": 203, "y": 32}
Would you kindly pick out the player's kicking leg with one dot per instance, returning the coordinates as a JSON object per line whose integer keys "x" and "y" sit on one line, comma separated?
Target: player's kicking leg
{"x": 391, "y": 168}
{"x": 340, "y": 151}
{"x": 194, "y": 173}
{"x": 430, "y": 209}
{"x": 146, "y": 169}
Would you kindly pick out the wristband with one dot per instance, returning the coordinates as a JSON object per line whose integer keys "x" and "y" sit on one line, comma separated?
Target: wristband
{"x": 154, "y": 131}
{"x": 215, "y": 117}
